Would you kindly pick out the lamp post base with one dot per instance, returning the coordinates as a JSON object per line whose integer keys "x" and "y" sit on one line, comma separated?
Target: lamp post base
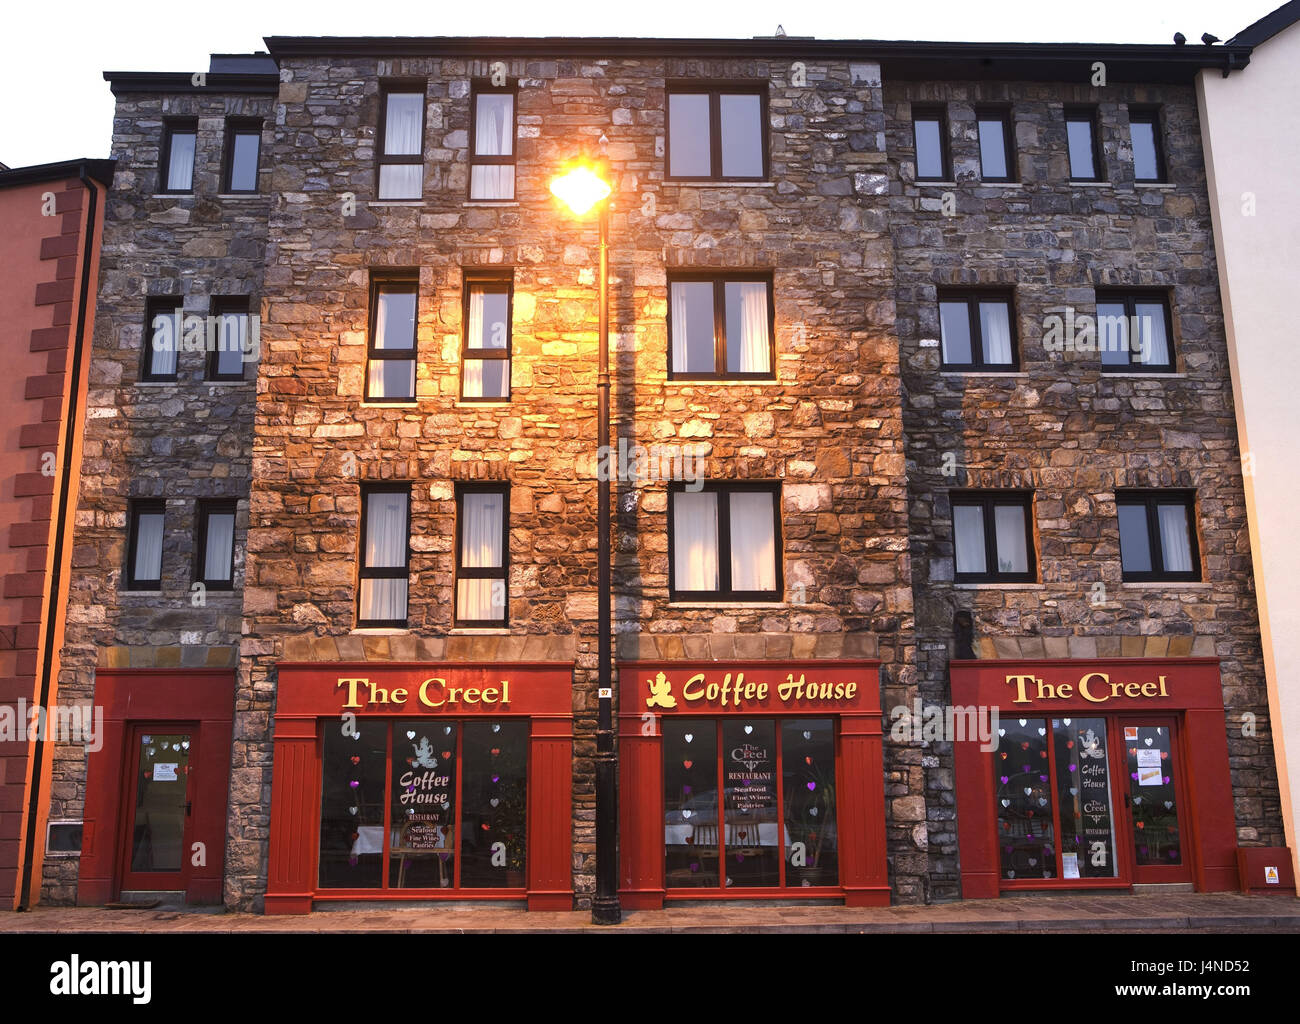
{"x": 606, "y": 910}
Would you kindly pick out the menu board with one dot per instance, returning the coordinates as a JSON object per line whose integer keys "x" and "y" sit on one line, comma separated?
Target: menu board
{"x": 751, "y": 776}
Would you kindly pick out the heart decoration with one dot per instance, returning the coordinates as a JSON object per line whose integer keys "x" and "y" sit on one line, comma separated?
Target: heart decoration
{"x": 689, "y": 737}
{"x": 1137, "y": 800}
{"x": 446, "y": 754}
{"x": 496, "y": 778}
{"x": 1004, "y": 755}
{"x": 1148, "y": 741}
{"x": 356, "y": 760}
{"x": 185, "y": 744}
{"x": 496, "y": 727}
{"x": 1132, "y": 751}
{"x": 1030, "y": 814}
{"x": 1002, "y": 732}
{"x": 444, "y": 857}
{"x": 1066, "y": 721}
{"x": 807, "y": 760}
{"x": 1073, "y": 767}
{"x": 1042, "y": 801}
{"x": 1173, "y": 854}
{"x": 1143, "y": 850}
{"x": 1164, "y": 755}
{"x": 352, "y": 810}
{"x": 356, "y": 836}
{"x": 1042, "y": 753}
{"x": 1006, "y": 802}
{"x": 496, "y": 751}
{"x": 446, "y": 730}
{"x": 811, "y": 786}
{"x": 748, "y": 729}
{"x": 1024, "y": 767}
{"x": 1133, "y": 776}
{"x": 1011, "y": 874}
{"x": 446, "y": 805}
{"x": 494, "y": 801}
{"x": 1141, "y": 824}
{"x": 1024, "y": 722}
{"x": 354, "y": 783}
{"x": 1033, "y": 862}
{"x": 686, "y": 789}
{"x": 1028, "y": 791}
{"x": 1042, "y": 731}
{"x": 812, "y": 811}
{"x": 151, "y": 751}
{"x": 1166, "y": 780}
{"x": 688, "y": 765}
{"x": 695, "y": 867}
{"x": 1074, "y": 791}
{"x": 1042, "y": 778}
{"x": 148, "y": 774}
{"x": 410, "y": 789}
{"x": 1025, "y": 745}
{"x": 1069, "y": 744}
{"x": 1005, "y": 779}
{"x": 687, "y": 814}
{"x": 1169, "y": 805}
{"x": 486, "y": 826}
{"x": 807, "y": 735}
{"x": 742, "y": 833}
{"x": 410, "y": 734}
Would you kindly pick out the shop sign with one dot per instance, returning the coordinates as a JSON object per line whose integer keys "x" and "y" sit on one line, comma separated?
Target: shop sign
{"x": 431, "y": 693}
{"x": 733, "y": 691}
{"x": 1094, "y": 687}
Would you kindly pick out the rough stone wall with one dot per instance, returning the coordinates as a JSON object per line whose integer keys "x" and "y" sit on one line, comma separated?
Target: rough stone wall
{"x": 1062, "y": 428}
{"x": 829, "y": 426}
{"x": 182, "y": 441}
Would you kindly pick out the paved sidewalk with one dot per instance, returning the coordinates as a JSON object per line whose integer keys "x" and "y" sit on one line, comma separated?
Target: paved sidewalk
{"x": 1200, "y": 912}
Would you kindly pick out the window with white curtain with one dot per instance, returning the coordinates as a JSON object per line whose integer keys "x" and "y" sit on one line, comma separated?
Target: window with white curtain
{"x": 482, "y": 544}
{"x": 390, "y": 368}
{"x": 992, "y": 537}
{"x": 492, "y": 149}
{"x": 180, "y": 142}
{"x": 485, "y": 346}
{"x": 228, "y": 343}
{"x": 385, "y": 555}
{"x": 721, "y": 326}
{"x": 216, "y": 544}
{"x": 976, "y": 331}
{"x": 717, "y": 133}
{"x": 401, "y": 146}
{"x": 163, "y": 326}
{"x": 1157, "y": 536}
{"x": 1135, "y": 332}
{"x": 724, "y": 542}
{"x": 145, "y": 544}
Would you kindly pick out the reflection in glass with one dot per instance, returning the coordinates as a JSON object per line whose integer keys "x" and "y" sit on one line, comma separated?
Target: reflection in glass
{"x": 423, "y": 840}
{"x": 690, "y": 802}
{"x": 993, "y": 150}
{"x": 1154, "y": 805}
{"x": 158, "y": 835}
{"x": 742, "y": 136}
{"x": 751, "y": 820}
{"x": 692, "y": 321}
{"x": 353, "y": 777}
{"x": 808, "y": 795}
{"x": 1085, "y": 798}
{"x": 1081, "y": 155}
{"x": 1023, "y": 800}
{"x": 494, "y": 805}
{"x": 688, "y": 135}
{"x": 929, "y": 148}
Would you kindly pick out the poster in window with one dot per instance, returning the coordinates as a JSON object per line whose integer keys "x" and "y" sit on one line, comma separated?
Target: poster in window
{"x": 752, "y": 823}
{"x": 1083, "y": 790}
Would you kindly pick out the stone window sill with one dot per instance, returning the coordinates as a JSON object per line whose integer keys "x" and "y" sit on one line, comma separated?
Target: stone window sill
{"x": 480, "y": 405}
{"x": 1166, "y": 585}
{"x": 395, "y": 202}
{"x": 1166, "y": 185}
{"x": 491, "y": 202}
{"x": 726, "y": 604}
{"x": 983, "y": 373}
{"x": 708, "y": 382}
{"x": 1090, "y": 184}
{"x": 932, "y": 184}
{"x": 226, "y": 383}
{"x": 1139, "y": 373}
{"x": 172, "y": 195}
{"x": 478, "y": 631}
{"x": 158, "y": 383}
{"x": 242, "y": 195}
{"x": 379, "y": 631}
{"x": 389, "y": 405}
{"x": 721, "y": 184}
{"x": 998, "y": 586}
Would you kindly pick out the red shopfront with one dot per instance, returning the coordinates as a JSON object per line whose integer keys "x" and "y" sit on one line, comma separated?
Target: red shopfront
{"x": 750, "y": 780}
{"x": 1105, "y": 775}
{"x": 404, "y": 781}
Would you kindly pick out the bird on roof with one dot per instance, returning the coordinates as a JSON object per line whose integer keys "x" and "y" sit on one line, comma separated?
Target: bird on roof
{"x": 1208, "y": 39}
{"x": 1180, "y": 39}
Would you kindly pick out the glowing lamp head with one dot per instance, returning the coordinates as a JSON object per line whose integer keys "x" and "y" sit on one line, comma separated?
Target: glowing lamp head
{"x": 581, "y": 188}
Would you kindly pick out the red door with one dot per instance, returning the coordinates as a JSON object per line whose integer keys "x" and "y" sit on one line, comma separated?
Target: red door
{"x": 159, "y": 802}
{"x": 1160, "y": 843}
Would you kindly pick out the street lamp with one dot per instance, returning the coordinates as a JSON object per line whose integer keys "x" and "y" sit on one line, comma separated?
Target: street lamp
{"x": 581, "y": 186}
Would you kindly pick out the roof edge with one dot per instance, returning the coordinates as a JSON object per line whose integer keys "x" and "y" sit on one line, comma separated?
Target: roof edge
{"x": 100, "y": 170}
{"x": 186, "y": 82}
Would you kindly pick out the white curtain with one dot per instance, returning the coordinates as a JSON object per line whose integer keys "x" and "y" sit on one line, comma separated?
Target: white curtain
{"x": 493, "y": 126}
{"x": 1009, "y": 524}
{"x": 753, "y": 541}
{"x": 221, "y": 543}
{"x": 1175, "y": 539}
{"x": 954, "y": 324}
{"x": 1151, "y": 320}
{"x": 402, "y": 124}
{"x": 995, "y": 324}
{"x": 968, "y": 538}
{"x": 385, "y": 548}
{"x": 695, "y": 540}
{"x": 164, "y": 342}
{"x": 474, "y": 336}
{"x": 752, "y": 345}
{"x": 481, "y": 536}
{"x": 148, "y": 546}
{"x": 681, "y": 362}
{"x": 394, "y": 329}
{"x": 232, "y": 343}
{"x": 180, "y": 169}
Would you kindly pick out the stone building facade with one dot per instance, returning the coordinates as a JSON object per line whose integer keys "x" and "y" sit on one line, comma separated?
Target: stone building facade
{"x": 851, "y": 428}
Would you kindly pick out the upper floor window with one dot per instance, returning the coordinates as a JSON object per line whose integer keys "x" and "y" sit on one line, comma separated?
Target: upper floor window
{"x": 180, "y": 140}
{"x": 243, "y": 141}
{"x": 1157, "y": 538}
{"x": 930, "y": 127}
{"x": 482, "y": 546}
{"x": 1148, "y": 153}
{"x": 485, "y": 349}
{"x": 993, "y": 538}
{"x": 1082, "y": 139}
{"x": 997, "y": 144}
{"x": 385, "y": 555}
{"x": 390, "y": 369}
{"x": 230, "y": 341}
{"x": 162, "y": 338}
{"x": 724, "y": 542}
{"x": 1134, "y": 332}
{"x": 215, "y": 550}
{"x": 977, "y": 331}
{"x": 721, "y": 326}
{"x": 492, "y": 143}
{"x": 717, "y": 132}
{"x": 144, "y": 547}
{"x": 401, "y": 148}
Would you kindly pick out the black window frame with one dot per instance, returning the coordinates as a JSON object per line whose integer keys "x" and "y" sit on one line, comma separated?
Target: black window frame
{"x": 1150, "y": 499}
{"x": 220, "y": 305}
{"x": 499, "y": 282}
{"x": 724, "y": 592}
{"x": 236, "y": 126}
{"x": 1149, "y": 115}
{"x": 172, "y": 127}
{"x": 1130, "y": 297}
{"x": 137, "y": 507}
{"x": 715, "y": 90}
{"x": 972, "y": 297}
{"x": 1003, "y": 115}
{"x": 479, "y": 87}
{"x": 406, "y": 282}
{"x": 383, "y": 572}
{"x": 988, "y": 501}
{"x": 719, "y": 280}
{"x": 400, "y": 86}
{"x": 1088, "y": 114}
{"x": 501, "y": 573}
{"x": 932, "y": 112}
{"x": 154, "y": 306}
{"x": 207, "y": 507}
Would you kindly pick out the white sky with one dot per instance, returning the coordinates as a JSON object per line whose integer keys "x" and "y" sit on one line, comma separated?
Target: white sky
{"x": 55, "y": 105}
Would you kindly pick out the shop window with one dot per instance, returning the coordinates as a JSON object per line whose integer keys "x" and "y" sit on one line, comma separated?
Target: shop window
{"x": 180, "y": 139}
{"x": 724, "y": 542}
{"x": 161, "y": 339}
{"x": 977, "y": 331}
{"x": 229, "y": 343}
{"x": 1148, "y": 153}
{"x": 243, "y": 141}
{"x": 390, "y": 369}
{"x": 385, "y": 555}
{"x": 145, "y": 544}
{"x": 215, "y": 549}
{"x": 482, "y": 543}
{"x": 492, "y": 143}
{"x": 401, "y": 149}
{"x": 997, "y": 144}
{"x": 717, "y": 133}
{"x": 425, "y": 804}
{"x": 1134, "y": 332}
{"x": 1157, "y": 536}
{"x": 1054, "y": 799}
{"x": 930, "y": 128}
{"x": 993, "y": 540}
{"x": 771, "y": 823}
{"x": 721, "y": 326}
{"x": 1082, "y": 141}
{"x": 485, "y": 346}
